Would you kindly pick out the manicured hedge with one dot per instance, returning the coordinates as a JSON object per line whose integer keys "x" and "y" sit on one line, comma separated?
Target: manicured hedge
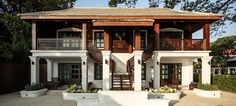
{"x": 225, "y": 82}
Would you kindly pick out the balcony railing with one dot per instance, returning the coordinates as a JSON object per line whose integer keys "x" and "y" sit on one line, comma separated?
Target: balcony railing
{"x": 59, "y": 44}
{"x": 181, "y": 44}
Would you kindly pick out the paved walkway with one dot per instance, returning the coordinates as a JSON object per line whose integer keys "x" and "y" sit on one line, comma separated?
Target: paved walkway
{"x": 54, "y": 98}
{"x": 190, "y": 99}
{"x": 51, "y": 99}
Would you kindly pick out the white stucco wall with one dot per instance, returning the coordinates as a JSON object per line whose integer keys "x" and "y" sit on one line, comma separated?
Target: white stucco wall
{"x": 187, "y": 68}
{"x": 56, "y": 61}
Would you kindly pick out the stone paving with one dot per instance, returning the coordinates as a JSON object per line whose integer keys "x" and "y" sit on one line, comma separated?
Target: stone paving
{"x": 54, "y": 98}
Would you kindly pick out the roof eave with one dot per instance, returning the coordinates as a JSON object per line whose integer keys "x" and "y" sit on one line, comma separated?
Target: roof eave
{"x": 215, "y": 18}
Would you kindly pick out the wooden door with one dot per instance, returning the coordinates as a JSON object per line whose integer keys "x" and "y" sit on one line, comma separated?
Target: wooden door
{"x": 170, "y": 74}
{"x": 70, "y": 73}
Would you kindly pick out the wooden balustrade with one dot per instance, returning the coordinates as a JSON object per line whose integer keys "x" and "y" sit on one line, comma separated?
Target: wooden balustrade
{"x": 94, "y": 52}
{"x": 181, "y": 44}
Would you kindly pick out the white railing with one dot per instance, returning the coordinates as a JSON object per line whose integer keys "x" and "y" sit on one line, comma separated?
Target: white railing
{"x": 59, "y": 44}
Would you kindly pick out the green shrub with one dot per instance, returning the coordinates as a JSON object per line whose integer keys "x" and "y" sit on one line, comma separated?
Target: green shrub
{"x": 75, "y": 89}
{"x": 225, "y": 82}
{"x": 165, "y": 89}
{"x": 34, "y": 87}
{"x": 207, "y": 87}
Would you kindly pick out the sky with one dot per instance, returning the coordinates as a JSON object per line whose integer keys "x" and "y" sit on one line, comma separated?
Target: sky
{"x": 230, "y": 30}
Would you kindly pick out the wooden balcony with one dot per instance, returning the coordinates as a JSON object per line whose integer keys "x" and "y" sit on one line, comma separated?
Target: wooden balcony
{"x": 59, "y": 44}
{"x": 181, "y": 44}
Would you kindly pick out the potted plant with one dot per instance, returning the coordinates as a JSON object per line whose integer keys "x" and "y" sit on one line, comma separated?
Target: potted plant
{"x": 75, "y": 93}
{"x": 33, "y": 90}
{"x": 164, "y": 92}
{"x": 207, "y": 90}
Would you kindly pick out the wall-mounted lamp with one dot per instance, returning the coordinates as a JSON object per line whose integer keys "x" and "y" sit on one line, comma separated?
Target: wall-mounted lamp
{"x": 32, "y": 62}
{"x": 83, "y": 62}
{"x": 158, "y": 63}
{"x": 139, "y": 61}
{"x": 106, "y": 61}
{"x": 209, "y": 62}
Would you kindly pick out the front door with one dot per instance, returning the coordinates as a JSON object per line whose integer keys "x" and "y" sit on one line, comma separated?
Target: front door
{"x": 70, "y": 73}
{"x": 170, "y": 74}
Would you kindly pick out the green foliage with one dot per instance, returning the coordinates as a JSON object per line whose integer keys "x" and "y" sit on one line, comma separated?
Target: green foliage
{"x": 222, "y": 44}
{"x": 15, "y": 36}
{"x": 207, "y": 87}
{"x": 15, "y": 39}
{"x": 34, "y": 87}
{"x": 75, "y": 89}
{"x": 20, "y": 6}
{"x": 165, "y": 89}
{"x": 218, "y": 49}
{"x": 225, "y": 82}
{"x": 128, "y": 3}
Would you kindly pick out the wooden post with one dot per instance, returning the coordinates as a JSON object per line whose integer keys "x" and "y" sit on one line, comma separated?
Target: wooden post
{"x": 157, "y": 35}
{"x": 106, "y": 40}
{"x": 206, "y": 35}
{"x": 84, "y": 36}
{"x": 137, "y": 39}
{"x": 34, "y": 37}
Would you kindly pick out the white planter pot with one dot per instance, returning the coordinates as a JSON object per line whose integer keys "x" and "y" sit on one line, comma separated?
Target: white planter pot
{"x": 36, "y": 93}
{"x": 170, "y": 96}
{"x": 80, "y": 96}
{"x": 209, "y": 94}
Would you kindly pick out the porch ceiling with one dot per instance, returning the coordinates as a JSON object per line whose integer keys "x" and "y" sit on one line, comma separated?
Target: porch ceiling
{"x": 123, "y": 22}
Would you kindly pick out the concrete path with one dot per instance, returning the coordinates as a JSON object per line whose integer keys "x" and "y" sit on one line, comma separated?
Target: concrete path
{"x": 54, "y": 98}
{"x": 51, "y": 99}
{"x": 190, "y": 99}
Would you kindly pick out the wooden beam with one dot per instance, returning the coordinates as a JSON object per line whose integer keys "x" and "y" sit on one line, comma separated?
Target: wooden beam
{"x": 157, "y": 35}
{"x": 106, "y": 39}
{"x": 34, "y": 36}
{"x": 122, "y": 23}
{"x": 84, "y": 36}
{"x": 137, "y": 39}
{"x": 206, "y": 35}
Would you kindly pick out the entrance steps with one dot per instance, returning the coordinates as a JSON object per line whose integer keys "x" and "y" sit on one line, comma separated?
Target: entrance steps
{"x": 124, "y": 98}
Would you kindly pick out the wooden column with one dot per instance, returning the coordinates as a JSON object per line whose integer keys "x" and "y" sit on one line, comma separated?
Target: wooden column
{"x": 156, "y": 35}
{"x": 106, "y": 40}
{"x": 34, "y": 37}
{"x": 84, "y": 36}
{"x": 206, "y": 35}
{"x": 137, "y": 39}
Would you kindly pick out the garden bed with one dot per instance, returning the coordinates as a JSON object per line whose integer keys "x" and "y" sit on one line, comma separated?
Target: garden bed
{"x": 34, "y": 93}
{"x": 170, "y": 96}
{"x": 209, "y": 94}
{"x": 80, "y": 96}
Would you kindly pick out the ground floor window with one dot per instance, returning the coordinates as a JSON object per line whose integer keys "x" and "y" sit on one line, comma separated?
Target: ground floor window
{"x": 70, "y": 73}
{"x": 144, "y": 71}
{"x": 97, "y": 71}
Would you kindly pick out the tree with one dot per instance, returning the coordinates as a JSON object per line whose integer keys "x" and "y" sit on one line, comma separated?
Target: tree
{"x": 15, "y": 33}
{"x": 128, "y": 3}
{"x": 224, "y": 7}
{"x": 221, "y": 50}
{"x": 20, "y": 6}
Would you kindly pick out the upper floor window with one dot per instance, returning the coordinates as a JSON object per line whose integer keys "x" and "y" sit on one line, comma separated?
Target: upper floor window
{"x": 69, "y": 37}
{"x": 99, "y": 39}
{"x": 143, "y": 42}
